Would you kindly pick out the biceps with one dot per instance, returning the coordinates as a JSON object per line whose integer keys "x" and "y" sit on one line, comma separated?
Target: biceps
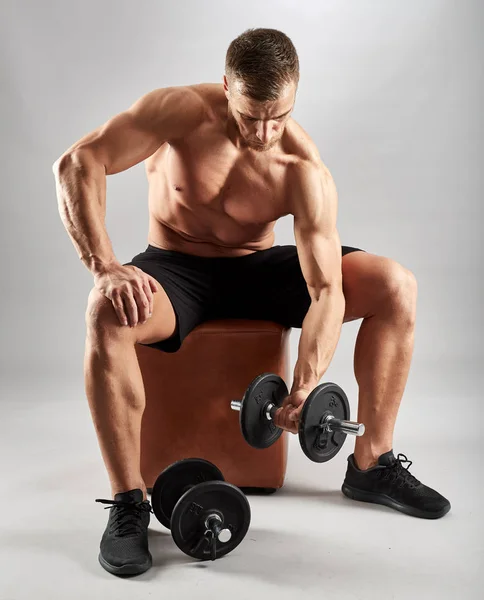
{"x": 120, "y": 143}
{"x": 135, "y": 134}
{"x": 320, "y": 259}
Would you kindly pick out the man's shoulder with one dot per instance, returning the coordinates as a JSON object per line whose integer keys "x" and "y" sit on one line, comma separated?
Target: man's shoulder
{"x": 205, "y": 99}
{"x": 307, "y": 171}
{"x": 196, "y": 95}
{"x": 199, "y": 89}
{"x": 299, "y": 143}
{"x": 186, "y": 106}
{"x": 208, "y": 89}
{"x": 211, "y": 94}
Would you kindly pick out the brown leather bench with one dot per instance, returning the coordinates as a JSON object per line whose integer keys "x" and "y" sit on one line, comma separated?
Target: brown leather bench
{"x": 188, "y": 396}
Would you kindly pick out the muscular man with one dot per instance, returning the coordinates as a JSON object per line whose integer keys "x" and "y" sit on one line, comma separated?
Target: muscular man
{"x": 224, "y": 162}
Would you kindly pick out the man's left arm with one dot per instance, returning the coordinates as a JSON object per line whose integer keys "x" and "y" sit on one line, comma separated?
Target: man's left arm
{"x": 315, "y": 206}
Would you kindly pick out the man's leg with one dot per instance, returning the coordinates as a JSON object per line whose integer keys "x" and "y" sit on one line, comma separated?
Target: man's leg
{"x": 114, "y": 384}
{"x": 384, "y": 294}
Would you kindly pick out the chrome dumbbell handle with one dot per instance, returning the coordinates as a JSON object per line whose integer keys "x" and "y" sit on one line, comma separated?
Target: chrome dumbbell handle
{"x": 270, "y": 412}
{"x": 331, "y": 423}
{"x": 212, "y": 523}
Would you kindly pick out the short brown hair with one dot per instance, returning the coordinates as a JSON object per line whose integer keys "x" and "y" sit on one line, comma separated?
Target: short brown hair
{"x": 265, "y": 60}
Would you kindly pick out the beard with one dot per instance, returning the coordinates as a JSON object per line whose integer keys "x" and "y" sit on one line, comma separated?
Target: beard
{"x": 261, "y": 147}
{"x": 255, "y": 144}
{"x": 258, "y": 146}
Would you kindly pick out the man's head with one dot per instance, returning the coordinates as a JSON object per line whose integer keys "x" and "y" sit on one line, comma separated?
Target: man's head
{"x": 261, "y": 78}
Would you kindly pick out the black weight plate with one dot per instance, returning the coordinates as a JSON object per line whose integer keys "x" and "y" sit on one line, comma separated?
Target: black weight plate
{"x": 175, "y": 480}
{"x": 189, "y": 515}
{"x": 317, "y": 445}
{"x": 257, "y": 430}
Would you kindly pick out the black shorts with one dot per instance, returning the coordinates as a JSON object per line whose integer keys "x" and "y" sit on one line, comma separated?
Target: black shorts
{"x": 267, "y": 284}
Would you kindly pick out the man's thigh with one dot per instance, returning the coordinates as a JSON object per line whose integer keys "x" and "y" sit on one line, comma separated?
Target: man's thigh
{"x": 269, "y": 286}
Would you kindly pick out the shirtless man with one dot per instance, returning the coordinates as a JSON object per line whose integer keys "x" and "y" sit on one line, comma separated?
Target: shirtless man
{"x": 224, "y": 162}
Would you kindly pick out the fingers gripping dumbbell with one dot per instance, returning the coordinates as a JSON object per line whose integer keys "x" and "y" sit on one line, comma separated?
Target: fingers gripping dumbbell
{"x": 324, "y": 422}
{"x": 208, "y": 517}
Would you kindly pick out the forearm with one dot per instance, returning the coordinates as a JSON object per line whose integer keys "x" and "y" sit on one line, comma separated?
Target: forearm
{"x": 81, "y": 197}
{"x": 320, "y": 333}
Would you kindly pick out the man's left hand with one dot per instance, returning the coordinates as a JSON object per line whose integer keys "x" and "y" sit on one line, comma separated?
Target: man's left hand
{"x": 287, "y": 417}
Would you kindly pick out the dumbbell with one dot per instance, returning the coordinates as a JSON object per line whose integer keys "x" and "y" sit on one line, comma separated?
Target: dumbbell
{"x": 208, "y": 517}
{"x": 323, "y": 425}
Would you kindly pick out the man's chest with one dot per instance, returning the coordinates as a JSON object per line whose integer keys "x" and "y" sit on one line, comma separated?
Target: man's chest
{"x": 213, "y": 177}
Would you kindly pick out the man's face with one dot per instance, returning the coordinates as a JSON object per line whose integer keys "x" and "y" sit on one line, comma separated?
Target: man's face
{"x": 260, "y": 124}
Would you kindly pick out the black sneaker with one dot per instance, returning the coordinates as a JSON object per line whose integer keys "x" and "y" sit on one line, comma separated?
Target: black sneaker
{"x": 392, "y": 484}
{"x": 124, "y": 545}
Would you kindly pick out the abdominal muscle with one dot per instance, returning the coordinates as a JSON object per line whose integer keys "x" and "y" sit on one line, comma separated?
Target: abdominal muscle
{"x": 166, "y": 236}
{"x": 233, "y": 224}
{"x": 207, "y": 235}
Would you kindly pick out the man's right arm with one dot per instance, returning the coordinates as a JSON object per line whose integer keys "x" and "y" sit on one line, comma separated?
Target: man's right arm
{"x": 122, "y": 142}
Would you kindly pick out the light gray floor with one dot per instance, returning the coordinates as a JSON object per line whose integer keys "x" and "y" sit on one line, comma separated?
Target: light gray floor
{"x": 306, "y": 538}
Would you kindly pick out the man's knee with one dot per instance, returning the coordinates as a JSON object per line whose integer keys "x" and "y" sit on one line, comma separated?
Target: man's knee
{"x": 101, "y": 318}
{"x": 401, "y": 288}
{"x": 100, "y": 314}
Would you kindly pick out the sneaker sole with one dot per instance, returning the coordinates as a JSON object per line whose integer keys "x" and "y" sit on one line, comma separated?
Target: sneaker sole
{"x": 364, "y": 496}
{"x": 126, "y": 569}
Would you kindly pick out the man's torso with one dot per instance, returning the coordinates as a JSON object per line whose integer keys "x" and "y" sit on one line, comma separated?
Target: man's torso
{"x": 209, "y": 198}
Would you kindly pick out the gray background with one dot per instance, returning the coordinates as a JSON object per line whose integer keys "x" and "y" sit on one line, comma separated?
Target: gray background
{"x": 390, "y": 91}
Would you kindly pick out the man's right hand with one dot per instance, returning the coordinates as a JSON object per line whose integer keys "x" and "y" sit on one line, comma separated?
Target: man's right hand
{"x": 130, "y": 290}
